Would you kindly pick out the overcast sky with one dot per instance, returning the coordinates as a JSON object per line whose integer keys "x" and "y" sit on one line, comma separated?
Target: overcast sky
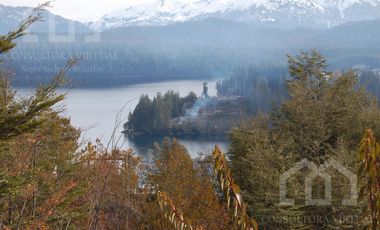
{"x": 82, "y": 10}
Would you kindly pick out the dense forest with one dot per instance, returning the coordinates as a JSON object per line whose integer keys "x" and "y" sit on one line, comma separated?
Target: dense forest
{"x": 204, "y": 49}
{"x": 154, "y": 116}
{"x": 47, "y": 183}
{"x": 264, "y": 88}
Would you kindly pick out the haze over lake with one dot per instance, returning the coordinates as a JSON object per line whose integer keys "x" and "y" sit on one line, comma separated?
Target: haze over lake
{"x": 94, "y": 111}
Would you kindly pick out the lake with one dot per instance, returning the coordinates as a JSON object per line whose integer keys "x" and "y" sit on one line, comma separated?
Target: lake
{"x": 96, "y": 111}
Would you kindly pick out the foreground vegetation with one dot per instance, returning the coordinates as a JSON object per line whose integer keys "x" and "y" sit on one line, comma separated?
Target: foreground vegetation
{"x": 323, "y": 119}
{"x": 46, "y": 183}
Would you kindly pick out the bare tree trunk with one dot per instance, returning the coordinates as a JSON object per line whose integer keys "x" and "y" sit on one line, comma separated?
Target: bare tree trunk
{"x": 68, "y": 224}
{"x": 34, "y": 201}
{"x": 99, "y": 204}
{"x": 10, "y": 211}
{"x": 21, "y": 214}
{"x": 10, "y": 203}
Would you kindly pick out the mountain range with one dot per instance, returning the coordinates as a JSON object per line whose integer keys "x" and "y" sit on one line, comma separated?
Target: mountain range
{"x": 263, "y": 13}
{"x": 277, "y": 13}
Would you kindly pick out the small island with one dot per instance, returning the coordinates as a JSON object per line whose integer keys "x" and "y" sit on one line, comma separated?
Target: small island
{"x": 170, "y": 114}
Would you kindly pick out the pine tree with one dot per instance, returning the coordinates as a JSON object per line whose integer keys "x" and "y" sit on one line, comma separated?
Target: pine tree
{"x": 20, "y": 116}
{"x": 322, "y": 108}
{"x": 322, "y": 118}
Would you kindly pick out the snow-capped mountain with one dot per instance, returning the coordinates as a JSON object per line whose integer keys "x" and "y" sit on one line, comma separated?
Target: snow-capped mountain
{"x": 282, "y": 13}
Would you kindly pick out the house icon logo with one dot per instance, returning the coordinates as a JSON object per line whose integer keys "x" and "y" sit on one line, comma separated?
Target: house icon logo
{"x": 318, "y": 171}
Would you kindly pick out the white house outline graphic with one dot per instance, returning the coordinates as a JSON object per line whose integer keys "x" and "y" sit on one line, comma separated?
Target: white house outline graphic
{"x": 318, "y": 172}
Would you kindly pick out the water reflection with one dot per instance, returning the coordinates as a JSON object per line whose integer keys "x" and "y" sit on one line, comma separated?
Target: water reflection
{"x": 196, "y": 146}
{"x": 94, "y": 110}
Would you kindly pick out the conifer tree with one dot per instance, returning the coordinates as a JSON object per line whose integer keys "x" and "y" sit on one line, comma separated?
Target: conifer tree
{"x": 20, "y": 116}
{"x": 322, "y": 119}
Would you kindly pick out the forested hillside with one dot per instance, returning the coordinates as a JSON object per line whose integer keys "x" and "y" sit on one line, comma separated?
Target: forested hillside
{"x": 205, "y": 49}
{"x": 264, "y": 88}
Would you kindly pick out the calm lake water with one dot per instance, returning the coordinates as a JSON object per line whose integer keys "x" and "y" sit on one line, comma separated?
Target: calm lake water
{"x": 96, "y": 111}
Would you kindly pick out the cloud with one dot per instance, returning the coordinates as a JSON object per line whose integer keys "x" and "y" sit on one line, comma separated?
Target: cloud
{"x": 82, "y": 10}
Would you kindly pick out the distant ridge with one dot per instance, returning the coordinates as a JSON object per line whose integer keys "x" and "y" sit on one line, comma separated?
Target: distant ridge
{"x": 12, "y": 16}
{"x": 278, "y": 13}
